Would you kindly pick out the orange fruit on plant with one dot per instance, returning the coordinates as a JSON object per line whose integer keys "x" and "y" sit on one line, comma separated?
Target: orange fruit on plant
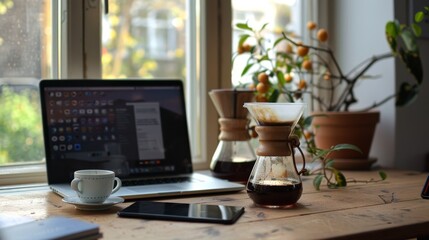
{"x": 302, "y": 51}
{"x": 311, "y": 25}
{"x": 240, "y": 49}
{"x": 302, "y": 84}
{"x": 263, "y": 78}
{"x": 288, "y": 78}
{"x": 247, "y": 47}
{"x": 243, "y": 48}
{"x": 261, "y": 98}
{"x": 327, "y": 76}
{"x": 307, "y": 135}
{"x": 251, "y": 86}
{"x": 322, "y": 35}
{"x": 307, "y": 65}
{"x": 262, "y": 87}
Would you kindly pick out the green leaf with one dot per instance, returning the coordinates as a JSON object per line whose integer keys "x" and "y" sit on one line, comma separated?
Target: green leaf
{"x": 416, "y": 29}
{"x": 392, "y": 29}
{"x": 407, "y": 94}
{"x": 243, "y": 38}
{"x": 409, "y": 40}
{"x": 419, "y": 16}
{"x": 274, "y": 96}
{"x": 413, "y": 63}
{"x": 320, "y": 153}
{"x": 308, "y": 120}
{"x": 317, "y": 181}
{"x": 383, "y": 175}
{"x": 263, "y": 26}
{"x": 289, "y": 96}
{"x": 339, "y": 147}
{"x": 340, "y": 179}
{"x": 264, "y": 58}
{"x": 281, "y": 78}
{"x": 391, "y": 34}
{"x": 246, "y": 69}
{"x": 244, "y": 26}
{"x": 329, "y": 163}
{"x": 280, "y": 64}
{"x": 278, "y": 41}
{"x": 285, "y": 56}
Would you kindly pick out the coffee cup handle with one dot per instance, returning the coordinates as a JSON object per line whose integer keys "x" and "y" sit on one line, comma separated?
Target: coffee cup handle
{"x": 75, "y": 185}
{"x": 118, "y": 185}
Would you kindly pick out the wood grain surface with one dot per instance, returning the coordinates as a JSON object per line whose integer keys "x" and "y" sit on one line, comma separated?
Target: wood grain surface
{"x": 391, "y": 209}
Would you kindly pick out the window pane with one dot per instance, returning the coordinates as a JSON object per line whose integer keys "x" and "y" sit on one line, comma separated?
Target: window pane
{"x": 151, "y": 39}
{"x": 280, "y": 15}
{"x": 25, "y": 58}
{"x": 145, "y": 39}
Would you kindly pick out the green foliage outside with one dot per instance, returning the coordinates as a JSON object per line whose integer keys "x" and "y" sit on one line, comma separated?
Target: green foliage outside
{"x": 124, "y": 55}
{"x": 21, "y": 136}
{"x": 126, "y": 52}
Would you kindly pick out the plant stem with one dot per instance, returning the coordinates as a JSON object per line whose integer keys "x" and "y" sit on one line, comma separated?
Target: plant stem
{"x": 327, "y": 50}
{"x": 352, "y": 180}
{"x": 350, "y": 85}
{"x": 348, "y": 92}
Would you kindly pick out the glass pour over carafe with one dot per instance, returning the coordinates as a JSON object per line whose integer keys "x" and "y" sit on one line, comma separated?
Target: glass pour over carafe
{"x": 234, "y": 156}
{"x": 275, "y": 180}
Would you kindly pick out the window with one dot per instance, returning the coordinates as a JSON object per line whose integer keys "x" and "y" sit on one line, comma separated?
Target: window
{"x": 139, "y": 38}
{"x": 25, "y": 57}
{"x": 183, "y": 39}
{"x": 145, "y": 39}
{"x": 153, "y": 39}
{"x": 283, "y": 15}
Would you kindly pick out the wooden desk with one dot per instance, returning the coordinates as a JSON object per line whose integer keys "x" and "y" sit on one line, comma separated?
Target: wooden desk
{"x": 385, "y": 210}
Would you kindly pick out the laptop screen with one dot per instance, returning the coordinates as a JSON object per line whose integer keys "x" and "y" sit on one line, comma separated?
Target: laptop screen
{"x": 136, "y": 128}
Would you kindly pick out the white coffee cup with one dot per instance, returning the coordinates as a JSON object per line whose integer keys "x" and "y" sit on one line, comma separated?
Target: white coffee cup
{"x": 94, "y": 185}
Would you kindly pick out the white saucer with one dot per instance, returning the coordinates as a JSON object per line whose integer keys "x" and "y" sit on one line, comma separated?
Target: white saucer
{"x": 93, "y": 206}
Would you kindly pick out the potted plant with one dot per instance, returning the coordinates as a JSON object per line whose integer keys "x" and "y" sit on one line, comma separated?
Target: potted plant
{"x": 292, "y": 70}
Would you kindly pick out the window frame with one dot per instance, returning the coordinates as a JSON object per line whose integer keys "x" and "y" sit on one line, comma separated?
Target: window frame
{"x": 78, "y": 40}
{"x": 75, "y": 57}
{"x": 71, "y": 58}
{"x": 216, "y": 65}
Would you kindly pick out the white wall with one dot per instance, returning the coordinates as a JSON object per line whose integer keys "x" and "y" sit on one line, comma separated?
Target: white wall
{"x": 357, "y": 33}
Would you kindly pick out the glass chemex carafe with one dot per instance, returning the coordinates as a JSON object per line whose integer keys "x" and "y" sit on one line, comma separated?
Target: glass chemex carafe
{"x": 234, "y": 156}
{"x": 275, "y": 180}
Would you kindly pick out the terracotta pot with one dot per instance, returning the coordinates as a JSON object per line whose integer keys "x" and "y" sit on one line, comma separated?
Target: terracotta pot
{"x": 355, "y": 128}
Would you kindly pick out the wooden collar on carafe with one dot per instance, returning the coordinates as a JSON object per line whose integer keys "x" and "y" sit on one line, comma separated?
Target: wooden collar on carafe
{"x": 234, "y": 129}
{"x": 275, "y": 141}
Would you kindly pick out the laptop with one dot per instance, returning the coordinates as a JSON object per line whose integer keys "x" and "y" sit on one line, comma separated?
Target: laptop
{"x": 136, "y": 128}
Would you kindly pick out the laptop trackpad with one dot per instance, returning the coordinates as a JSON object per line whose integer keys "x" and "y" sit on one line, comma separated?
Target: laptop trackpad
{"x": 155, "y": 188}
{"x": 141, "y": 190}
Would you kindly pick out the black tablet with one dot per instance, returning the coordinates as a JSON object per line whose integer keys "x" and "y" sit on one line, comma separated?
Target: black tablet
{"x": 192, "y": 212}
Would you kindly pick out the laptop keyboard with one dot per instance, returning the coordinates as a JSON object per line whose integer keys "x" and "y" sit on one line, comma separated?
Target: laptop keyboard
{"x": 138, "y": 182}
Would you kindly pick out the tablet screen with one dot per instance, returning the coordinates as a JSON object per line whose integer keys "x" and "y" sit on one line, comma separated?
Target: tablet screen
{"x": 183, "y": 211}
